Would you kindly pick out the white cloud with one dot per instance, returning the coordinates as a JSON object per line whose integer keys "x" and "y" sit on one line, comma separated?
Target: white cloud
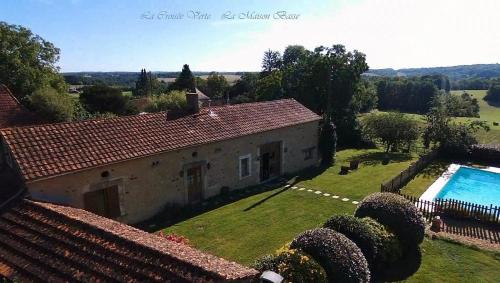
{"x": 392, "y": 33}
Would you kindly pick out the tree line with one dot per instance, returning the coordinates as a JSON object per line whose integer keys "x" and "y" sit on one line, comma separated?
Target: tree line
{"x": 327, "y": 80}
{"x": 482, "y": 71}
{"x": 473, "y": 83}
{"x": 414, "y": 95}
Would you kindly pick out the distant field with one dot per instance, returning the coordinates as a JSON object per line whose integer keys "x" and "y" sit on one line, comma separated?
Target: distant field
{"x": 487, "y": 113}
{"x": 127, "y": 93}
{"x": 167, "y": 80}
{"x": 231, "y": 79}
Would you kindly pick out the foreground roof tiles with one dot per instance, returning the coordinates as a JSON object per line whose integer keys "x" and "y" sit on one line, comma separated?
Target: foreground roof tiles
{"x": 53, "y": 149}
{"x": 11, "y": 112}
{"x": 47, "y": 242}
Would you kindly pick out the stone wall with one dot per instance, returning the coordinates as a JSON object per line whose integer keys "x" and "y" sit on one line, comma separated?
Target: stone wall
{"x": 147, "y": 184}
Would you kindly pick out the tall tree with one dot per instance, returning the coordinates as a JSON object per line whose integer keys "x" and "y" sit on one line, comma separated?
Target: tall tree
{"x": 270, "y": 62}
{"x": 141, "y": 84}
{"x": 245, "y": 87}
{"x": 185, "y": 80}
{"x": 269, "y": 87}
{"x": 310, "y": 76}
{"x": 365, "y": 97}
{"x": 331, "y": 76}
{"x": 146, "y": 84}
{"x": 27, "y": 61}
{"x": 452, "y": 138}
{"x": 217, "y": 85}
{"x": 391, "y": 129}
{"x": 293, "y": 54}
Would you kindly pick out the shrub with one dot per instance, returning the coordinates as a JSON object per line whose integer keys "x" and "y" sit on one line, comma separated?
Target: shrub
{"x": 396, "y": 213}
{"x": 293, "y": 265}
{"x": 379, "y": 246}
{"x": 174, "y": 100}
{"x": 101, "y": 98}
{"x": 341, "y": 259}
{"x": 390, "y": 248}
{"x": 51, "y": 105}
{"x": 81, "y": 114}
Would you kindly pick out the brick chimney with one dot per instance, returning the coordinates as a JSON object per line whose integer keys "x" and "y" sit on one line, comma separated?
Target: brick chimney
{"x": 192, "y": 101}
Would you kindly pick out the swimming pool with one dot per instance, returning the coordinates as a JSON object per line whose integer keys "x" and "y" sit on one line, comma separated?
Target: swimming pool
{"x": 480, "y": 186}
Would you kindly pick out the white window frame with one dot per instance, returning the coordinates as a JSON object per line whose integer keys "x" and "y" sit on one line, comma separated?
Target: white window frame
{"x": 249, "y": 157}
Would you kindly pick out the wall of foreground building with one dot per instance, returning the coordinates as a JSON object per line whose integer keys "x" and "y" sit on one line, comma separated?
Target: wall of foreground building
{"x": 147, "y": 184}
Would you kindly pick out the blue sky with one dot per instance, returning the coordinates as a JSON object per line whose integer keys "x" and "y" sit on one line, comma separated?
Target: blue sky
{"x": 112, "y": 35}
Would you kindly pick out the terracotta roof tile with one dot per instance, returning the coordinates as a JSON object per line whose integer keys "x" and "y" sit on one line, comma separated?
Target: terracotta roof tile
{"x": 53, "y": 149}
{"x": 12, "y": 113}
{"x": 47, "y": 242}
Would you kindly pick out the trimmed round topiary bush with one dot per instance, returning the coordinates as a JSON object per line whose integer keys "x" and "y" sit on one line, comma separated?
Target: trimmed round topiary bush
{"x": 389, "y": 248}
{"x": 397, "y": 214}
{"x": 341, "y": 259}
{"x": 293, "y": 265}
{"x": 380, "y": 247}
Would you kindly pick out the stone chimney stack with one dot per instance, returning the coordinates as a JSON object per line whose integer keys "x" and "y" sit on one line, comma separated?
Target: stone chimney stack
{"x": 192, "y": 101}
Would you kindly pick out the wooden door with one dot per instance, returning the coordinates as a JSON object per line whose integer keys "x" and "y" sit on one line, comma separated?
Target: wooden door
{"x": 275, "y": 160}
{"x": 194, "y": 184}
{"x": 270, "y": 160}
{"x": 103, "y": 202}
{"x": 264, "y": 167}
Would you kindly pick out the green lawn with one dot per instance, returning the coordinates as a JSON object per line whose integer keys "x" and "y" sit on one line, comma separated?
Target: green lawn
{"x": 270, "y": 219}
{"x": 365, "y": 180}
{"x": 251, "y": 227}
{"x": 448, "y": 262}
{"x": 247, "y": 229}
{"x": 487, "y": 112}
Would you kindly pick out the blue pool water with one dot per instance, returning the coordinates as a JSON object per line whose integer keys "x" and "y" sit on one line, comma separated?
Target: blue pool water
{"x": 473, "y": 185}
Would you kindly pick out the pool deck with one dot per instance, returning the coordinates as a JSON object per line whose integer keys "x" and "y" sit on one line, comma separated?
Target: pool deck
{"x": 436, "y": 187}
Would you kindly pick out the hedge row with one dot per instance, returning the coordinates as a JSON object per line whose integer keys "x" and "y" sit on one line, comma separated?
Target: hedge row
{"x": 397, "y": 214}
{"x": 386, "y": 229}
{"x": 380, "y": 247}
{"x": 341, "y": 259}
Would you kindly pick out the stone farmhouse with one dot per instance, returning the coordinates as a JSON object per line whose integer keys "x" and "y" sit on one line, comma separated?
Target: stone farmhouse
{"x": 130, "y": 168}
{"x": 42, "y": 242}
